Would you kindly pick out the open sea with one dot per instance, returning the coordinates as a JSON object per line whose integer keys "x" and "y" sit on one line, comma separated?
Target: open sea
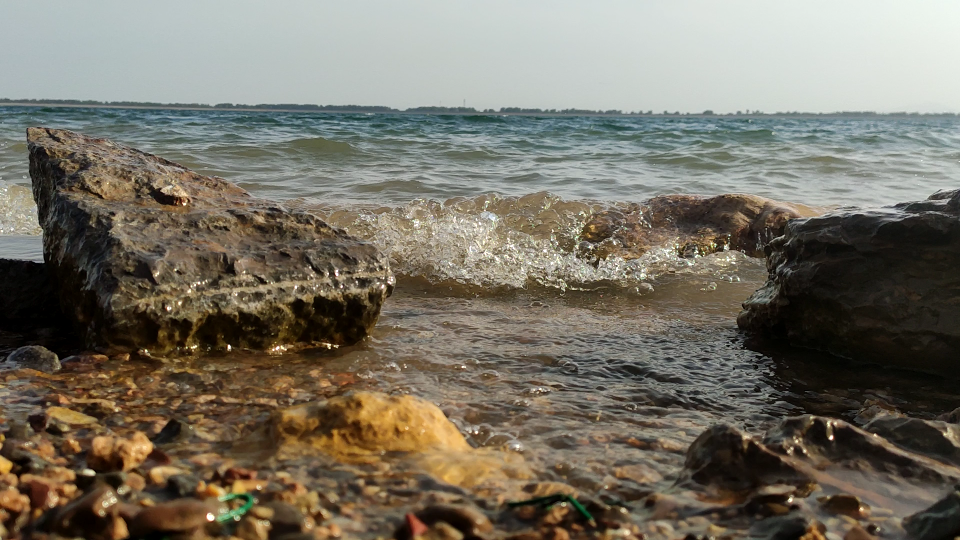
{"x": 524, "y": 345}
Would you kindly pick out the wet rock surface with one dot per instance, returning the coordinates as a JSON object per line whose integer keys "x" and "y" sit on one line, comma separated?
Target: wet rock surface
{"x": 939, "y": 522}
{"x": 696, "y": 225}
{"x": 876, "y": 285}
{"x": 35, "y": 357}
{"x": 725, "y": 457}
{"x": 148, "y": 255}
{"x": 362, "y": 423}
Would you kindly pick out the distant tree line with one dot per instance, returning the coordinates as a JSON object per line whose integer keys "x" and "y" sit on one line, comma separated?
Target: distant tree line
{"x": 428, "y": 110}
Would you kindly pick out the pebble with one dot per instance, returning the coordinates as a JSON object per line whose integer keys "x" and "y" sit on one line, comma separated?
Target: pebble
{"x": 556, "y": 533}
{"x": 858, "y": 533}
{"x": 88, "y": 515}
{"x": 845, "y": 505}
{"x": 182, "y": 485}
{"x": 70, "y": 417}
{"x": 175, "y": 430}
{"x": 160, "y": 475}
{"x": 286, "y": 519}
{"x": 468, "y": 520}
{"x": 35, "y": 357}
{"x": 115, "y": 454}
{"x": 181, "y": 515}
{"x": 5, "y": 465}
{"x": 251, "y": 528}
{"x": 13, "y": 501}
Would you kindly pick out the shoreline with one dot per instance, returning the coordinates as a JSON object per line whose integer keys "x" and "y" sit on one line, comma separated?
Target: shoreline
{"x": 850, "y": 115}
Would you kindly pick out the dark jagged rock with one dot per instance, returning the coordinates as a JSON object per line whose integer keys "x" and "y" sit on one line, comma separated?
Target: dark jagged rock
{"x": 939, "y": 440}
{"x": 939, "y": 522}
{"x": 149, "y": 255}
{"x": 35, "y": 357}
{"x": 878, "y": 285}
{"x": 725, "y": 457}
{"x": 697, "y": 225}
{"x": 27, "y": 295}
{"x": 828, "y": 440}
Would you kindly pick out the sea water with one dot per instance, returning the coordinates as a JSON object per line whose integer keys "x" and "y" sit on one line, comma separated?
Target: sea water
{"x": 524, "y": 345}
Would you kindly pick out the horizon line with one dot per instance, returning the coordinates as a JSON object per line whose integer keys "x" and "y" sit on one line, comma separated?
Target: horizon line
{"x": 430, "y": 110}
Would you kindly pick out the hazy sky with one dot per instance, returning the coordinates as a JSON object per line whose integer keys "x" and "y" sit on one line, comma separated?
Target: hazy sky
{"x": 686, "y": 55}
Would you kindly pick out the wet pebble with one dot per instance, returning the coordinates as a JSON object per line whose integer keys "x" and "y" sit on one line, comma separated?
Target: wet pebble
{"x": 90, "y": 515}
{"x": 35, "y": 357}
{"x": 253, "y": 528}
{"x": 788, "y": 527}
{"x": 109, "y": 453}
{"x": 469, "y": 520}
{"x": 160, "y": 475}
{"x": 286, "y": 519}
{"x": 858, "y": 533}
{"x": 69, "y": 417}
{"x": 181, "y": 515}
{"x": 175, "y": 430}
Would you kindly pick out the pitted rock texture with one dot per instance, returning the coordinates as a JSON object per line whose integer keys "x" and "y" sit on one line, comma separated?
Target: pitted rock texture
{"x": 696, "y": 225}
{"x": 362, "y": 423}
{"x": 149, "y": 255}
{"x": 877, "y": 285}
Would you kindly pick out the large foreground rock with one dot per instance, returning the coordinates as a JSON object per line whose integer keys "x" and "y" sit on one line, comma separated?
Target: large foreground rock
{"x": 879, "y": 285}
{"x": 695, "y": 224}
{"x": 146, "y": 254}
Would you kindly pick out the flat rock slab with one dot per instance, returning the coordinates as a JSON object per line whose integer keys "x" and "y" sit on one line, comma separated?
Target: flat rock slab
{"x": 877, "y": 285}
{"x": 148, "y": 255}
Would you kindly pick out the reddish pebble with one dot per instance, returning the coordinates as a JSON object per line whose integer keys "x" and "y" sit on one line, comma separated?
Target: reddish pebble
{"x": 416, "y": 526}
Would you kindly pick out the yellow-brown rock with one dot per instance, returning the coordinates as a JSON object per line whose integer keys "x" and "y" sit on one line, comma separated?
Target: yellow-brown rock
{"x": 117, "y": 454}
{"x": 368, "y": 423}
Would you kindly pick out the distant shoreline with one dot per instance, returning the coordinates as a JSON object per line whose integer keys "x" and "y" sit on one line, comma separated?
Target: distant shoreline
{"x": 450, "y": 111}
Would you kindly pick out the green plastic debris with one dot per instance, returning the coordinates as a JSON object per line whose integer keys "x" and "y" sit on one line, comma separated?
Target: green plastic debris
{"x": 551, "y": 500}
{"x": 236, "y": 513}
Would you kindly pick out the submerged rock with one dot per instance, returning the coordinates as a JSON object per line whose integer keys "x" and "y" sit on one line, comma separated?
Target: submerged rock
{"x": 697, "y": 225}
{"x": 35, "y": 357}
{"x": 726, "y": 458}
{"x": 364, "y": 423}
{"x": 939, "y": 522}
{"x": 149, "y": 255}
{"x": 822, "y": 440}
{"x": 878, "y": 285}
{"x": 939, "y": 440}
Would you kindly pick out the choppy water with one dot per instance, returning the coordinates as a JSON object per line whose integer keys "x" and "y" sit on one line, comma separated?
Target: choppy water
{"x": 494, "y": 317}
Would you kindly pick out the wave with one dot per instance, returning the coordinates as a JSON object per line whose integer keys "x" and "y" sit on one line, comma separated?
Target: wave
{"x": 18, "y": 213}
{"x": 487, "y": 244}
{"x": 319, "y": 145}
{"x": 493, "y": 243}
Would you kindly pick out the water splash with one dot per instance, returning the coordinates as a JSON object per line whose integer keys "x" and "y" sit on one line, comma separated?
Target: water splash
{"x": 494, "y": 242}
{"x": 18, "y": 213}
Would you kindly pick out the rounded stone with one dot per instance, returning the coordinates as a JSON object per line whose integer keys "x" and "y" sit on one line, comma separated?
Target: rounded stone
{"x": 35, "y": 357}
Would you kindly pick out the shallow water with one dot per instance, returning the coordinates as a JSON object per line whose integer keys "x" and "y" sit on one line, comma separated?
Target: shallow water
{"x": 524, "y": 345}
